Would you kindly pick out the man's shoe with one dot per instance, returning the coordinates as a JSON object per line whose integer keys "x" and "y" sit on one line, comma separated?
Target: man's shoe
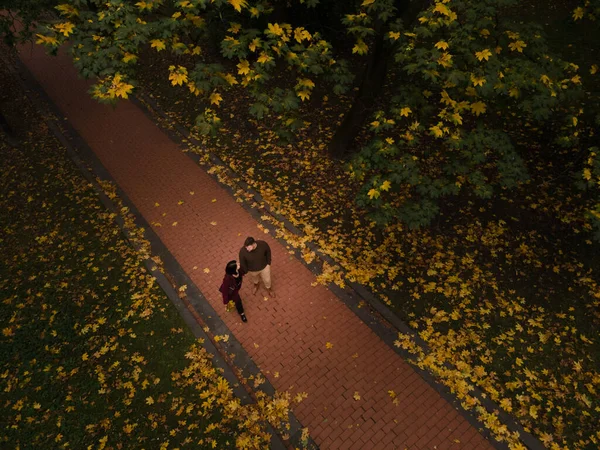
{"x": 254, "y": 289}
{"x": 243, "y": 316}
{"x": 271, "y": 293}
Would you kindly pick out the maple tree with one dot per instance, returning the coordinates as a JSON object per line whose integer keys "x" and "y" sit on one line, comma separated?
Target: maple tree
{"x": 464, "y": 81}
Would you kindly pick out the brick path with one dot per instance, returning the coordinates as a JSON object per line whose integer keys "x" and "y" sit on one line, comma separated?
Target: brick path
{"x": 286, "y": 336}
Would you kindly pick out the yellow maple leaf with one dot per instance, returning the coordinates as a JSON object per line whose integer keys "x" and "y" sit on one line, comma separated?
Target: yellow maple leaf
{"x": 483, "y": 54}
{"x": 263, "y": 58}
{"x": 593, "y": 69}
{"x": 50, "y": 40}
{"x": 158, "y": 44}
{"x": 304, "y": 94}
{"x": 356, "y": 396}
{"x": 477, "y": 81}
{"x": 243, "y": 67}
{"x": 587, "y": 174}
{"x": 437, "y": 131}
{"x": 149, "y": 401}
{"x": 478, "y": 108}
{"x": 206, "y": 270}
{"x": 441, "y": 45}
{"x": 386, "y": 185}
{"x": 328, "y": 345}
{"x": 65, "y": 28}
{"x": 404, "y": 112}
{"x": 301, "y": 34}
{"x": 533, "y": 411}
{"x": 275, "y": 29}
{"x": 395, "y": 35}
{"x": 442, "y": 9}
{"x": 517, "y": 46}
{"x": 300, "y": 396}
{"x": 578, "y": 13}
{"x": 238, "y": 4}
{"x": 129, "y": 57}
{"x": 360, "y": 47}
{"x": 367, "y": 2}
{"x": 373, "y": 193}
{"x": 253, "y": 44}
{"x": 178, "y": 75}
{"x": 215, "y": 98}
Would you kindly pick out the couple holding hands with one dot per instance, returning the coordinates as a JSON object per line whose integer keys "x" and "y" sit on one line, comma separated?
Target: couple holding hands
{"x": 255, "y": 260}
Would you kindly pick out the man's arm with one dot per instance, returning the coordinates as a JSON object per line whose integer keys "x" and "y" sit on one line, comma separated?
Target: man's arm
{"x": 268, "y": 253}
{"x": 243, "y": 262}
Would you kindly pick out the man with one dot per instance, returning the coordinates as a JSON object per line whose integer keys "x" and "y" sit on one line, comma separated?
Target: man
{"x": 255, "y": 260}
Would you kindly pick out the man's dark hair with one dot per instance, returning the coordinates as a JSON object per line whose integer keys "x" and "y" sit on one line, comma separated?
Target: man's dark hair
{"x": 249, "y": 241}
{"x": 231, "y": 267}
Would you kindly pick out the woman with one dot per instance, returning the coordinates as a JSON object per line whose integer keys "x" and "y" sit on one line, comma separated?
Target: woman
{"x": 230, "y": 288}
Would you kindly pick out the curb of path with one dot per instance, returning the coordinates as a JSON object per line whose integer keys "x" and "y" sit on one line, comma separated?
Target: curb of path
{"x": 382, "y": 321}
{"x": 243, "y": 367}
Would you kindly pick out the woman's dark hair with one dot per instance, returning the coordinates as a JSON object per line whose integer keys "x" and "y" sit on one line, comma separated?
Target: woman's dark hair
{"x": 249, "y": 241}
{"x": 231, "y": 267}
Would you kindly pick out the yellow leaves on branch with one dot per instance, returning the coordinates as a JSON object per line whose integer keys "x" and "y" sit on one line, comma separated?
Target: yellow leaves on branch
{"x": 65, "y": 28}
{"x": 111, "y": 88}
{"x": 46, "y": 40}
{"x": 275, "y": 29}
{"x": 304, "y": 88}
{"x": 442, "y": 9}
{"x": 67, "y": 10}
{"x": 178, "y": 75}
{"x": 301, "y": 34}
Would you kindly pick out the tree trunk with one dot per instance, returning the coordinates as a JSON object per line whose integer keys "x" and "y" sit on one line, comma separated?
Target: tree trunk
{"x": 371, "y": 84}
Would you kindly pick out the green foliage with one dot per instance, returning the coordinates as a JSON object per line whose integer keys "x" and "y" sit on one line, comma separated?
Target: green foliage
{"x": 467, "y": 81}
